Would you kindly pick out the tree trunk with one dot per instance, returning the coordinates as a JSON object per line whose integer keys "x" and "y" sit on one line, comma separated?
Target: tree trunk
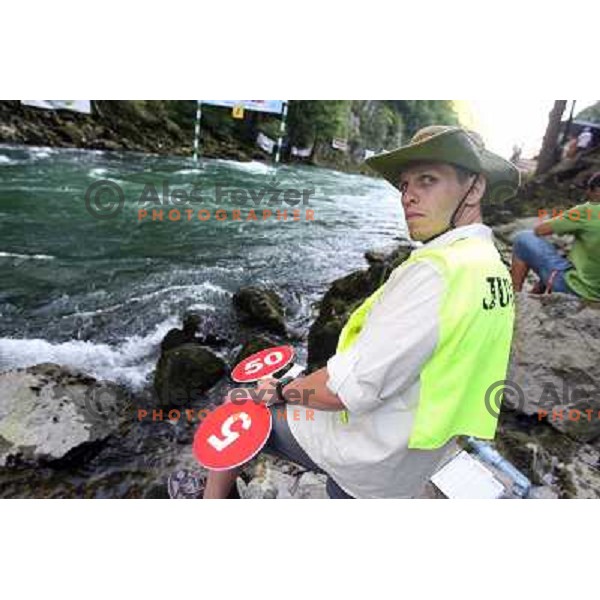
{"x": 547, "y": 156}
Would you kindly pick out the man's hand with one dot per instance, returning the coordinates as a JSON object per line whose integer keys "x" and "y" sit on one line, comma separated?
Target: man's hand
{"x": 265, "y": 391}
{"x": 544, "y": 228}
{"x": 310, "y": 391}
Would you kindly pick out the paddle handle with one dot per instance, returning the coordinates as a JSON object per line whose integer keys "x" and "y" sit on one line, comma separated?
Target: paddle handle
{"x": 293, "y": 372}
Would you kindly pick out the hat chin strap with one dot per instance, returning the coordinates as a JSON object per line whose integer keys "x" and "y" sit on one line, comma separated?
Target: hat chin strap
{"x": 452, "y": 224}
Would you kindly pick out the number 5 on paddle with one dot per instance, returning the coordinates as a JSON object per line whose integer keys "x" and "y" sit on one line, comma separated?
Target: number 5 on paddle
{"x": 229, "y": 436}
{"x": 232, "y": 434}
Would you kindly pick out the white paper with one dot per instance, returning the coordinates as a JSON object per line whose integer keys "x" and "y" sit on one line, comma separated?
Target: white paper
{"x": 464, "y": 477}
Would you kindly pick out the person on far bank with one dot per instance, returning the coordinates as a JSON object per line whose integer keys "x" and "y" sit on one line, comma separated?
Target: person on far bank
{"x": 584, "y": 140}
{"x": 408, "y": 376}
{"x": 579, "y": 274}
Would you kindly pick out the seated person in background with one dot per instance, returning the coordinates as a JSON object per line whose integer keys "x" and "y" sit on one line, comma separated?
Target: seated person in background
{"x": 570, "y": 148}
{"x": 584, "y": 140}
{"x": 580, "y": 273}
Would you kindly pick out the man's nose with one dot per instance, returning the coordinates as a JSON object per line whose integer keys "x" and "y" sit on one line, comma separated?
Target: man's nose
{"x": 408, "y": 196}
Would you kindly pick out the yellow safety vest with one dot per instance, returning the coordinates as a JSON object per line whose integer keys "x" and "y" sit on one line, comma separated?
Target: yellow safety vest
{"x": 457, "y": 391}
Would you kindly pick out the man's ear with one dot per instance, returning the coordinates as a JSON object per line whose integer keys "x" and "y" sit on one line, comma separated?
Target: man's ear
{"x": 477, "y": 190}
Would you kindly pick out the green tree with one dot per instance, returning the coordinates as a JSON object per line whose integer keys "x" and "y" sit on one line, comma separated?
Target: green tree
{"x": 420, "y": 113}
{"x": 547, "y": 156}
{"x": 590, "y": 113}
{"x": 378, "y": 125}
{"x": 314, "y": 121}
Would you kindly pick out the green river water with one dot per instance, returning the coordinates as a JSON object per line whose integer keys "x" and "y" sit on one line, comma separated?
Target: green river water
{"x": 98, "y": 294}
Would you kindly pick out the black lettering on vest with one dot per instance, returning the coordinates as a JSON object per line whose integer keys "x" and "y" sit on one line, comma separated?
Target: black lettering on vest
{"x": 503, "y": 289}
{"x": 501, "y": 293}
{"x": 489, "y": 303}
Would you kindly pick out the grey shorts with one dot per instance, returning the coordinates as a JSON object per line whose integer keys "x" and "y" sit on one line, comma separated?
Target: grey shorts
{"x": 282, "y": 443}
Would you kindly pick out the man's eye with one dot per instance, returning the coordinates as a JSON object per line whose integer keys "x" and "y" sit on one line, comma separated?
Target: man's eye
{"x": 427, "y": 179}
{"x": 402, "y": 187}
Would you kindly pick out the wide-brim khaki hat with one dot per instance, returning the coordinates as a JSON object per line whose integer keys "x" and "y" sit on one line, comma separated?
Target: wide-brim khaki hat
{"x": 456, "y": 146}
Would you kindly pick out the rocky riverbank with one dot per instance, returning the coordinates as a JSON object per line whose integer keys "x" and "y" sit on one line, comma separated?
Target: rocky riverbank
{"x": 64, "y": 434}
{"x": 113, "y": 125}
{"x": 128, "y": 125}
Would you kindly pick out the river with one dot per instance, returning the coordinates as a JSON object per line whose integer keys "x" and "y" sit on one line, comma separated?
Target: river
{"x": 99, "y": 294}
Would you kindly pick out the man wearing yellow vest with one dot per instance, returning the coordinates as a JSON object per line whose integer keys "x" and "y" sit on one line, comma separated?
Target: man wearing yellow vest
{"x": 415, "y": 360}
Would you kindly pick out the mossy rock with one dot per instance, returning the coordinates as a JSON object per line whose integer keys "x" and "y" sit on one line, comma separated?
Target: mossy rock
{"x": 185, "y": 373}
{"x": 260, "y": 307}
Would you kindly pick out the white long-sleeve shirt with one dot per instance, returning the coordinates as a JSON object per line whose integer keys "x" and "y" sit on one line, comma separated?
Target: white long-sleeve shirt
{"x": 378, "y": 380}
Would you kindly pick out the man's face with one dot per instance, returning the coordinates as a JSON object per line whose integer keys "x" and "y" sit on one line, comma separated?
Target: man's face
{"x": 430, "y": 193}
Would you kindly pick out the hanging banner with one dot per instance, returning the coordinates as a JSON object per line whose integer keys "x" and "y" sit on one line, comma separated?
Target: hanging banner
{"x": 302, "y": 152}
{"x": 265, "y": 143}
{"x": 268, "y": 106}
{"x": 82, "y": 106}
{"x": 339, "y": 144}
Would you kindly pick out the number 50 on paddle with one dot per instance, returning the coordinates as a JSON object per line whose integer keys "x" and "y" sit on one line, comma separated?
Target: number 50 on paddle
{"x": 262, "y": 364}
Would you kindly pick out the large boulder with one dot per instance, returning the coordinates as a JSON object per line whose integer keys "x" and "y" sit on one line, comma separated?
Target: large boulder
{"x": 545, "y": 428}
{"x": 553, "y": 374}
{"x": 49, "y": 413}
{"x": 260, "y": 307}
{"x": 184, "y": 373}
